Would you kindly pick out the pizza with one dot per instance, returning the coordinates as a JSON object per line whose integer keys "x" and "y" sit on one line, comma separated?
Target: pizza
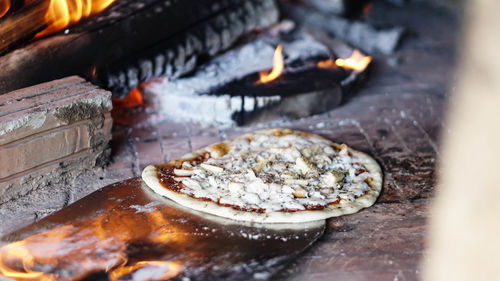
{"x": 270, "y": 176}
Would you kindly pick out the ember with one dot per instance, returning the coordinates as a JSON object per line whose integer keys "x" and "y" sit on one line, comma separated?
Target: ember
{"x": 367, "y": 8}
{"x": 132, "y": 100}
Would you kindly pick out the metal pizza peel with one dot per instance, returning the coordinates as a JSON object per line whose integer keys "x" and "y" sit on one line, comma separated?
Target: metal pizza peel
{"x": 126, "y": 232}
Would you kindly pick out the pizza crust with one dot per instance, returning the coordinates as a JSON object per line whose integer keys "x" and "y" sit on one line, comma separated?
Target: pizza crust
{"x": 150, "y": 177}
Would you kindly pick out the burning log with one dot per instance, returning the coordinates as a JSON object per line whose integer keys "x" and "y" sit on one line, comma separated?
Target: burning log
{"x": 44, "y": 17}
{"x": 187, "y": 98}
{"x": 50, "y": 133}
{"x": 293, "y": 94}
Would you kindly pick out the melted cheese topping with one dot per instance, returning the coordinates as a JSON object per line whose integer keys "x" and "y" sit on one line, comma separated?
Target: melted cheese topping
{"x": 275, "y": 172}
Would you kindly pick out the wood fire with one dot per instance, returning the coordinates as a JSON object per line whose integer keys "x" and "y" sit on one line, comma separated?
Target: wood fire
{"x": 278, "y": 66}
{"x": 62, "y": 13}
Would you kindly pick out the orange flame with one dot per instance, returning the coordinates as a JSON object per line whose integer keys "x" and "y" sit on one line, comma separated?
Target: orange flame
{"x": 4, "y": 7}
{"x": 327, "y": 64}
{"x": 62, "y": 13}
{"x": 357, "y": 62}
{"x": 278, "y": 66}
{"x": 133, "y": 99}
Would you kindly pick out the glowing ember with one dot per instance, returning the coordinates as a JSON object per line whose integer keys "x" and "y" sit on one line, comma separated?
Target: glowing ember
{"x": 4, "y": 7}
{"x": 357, "y": 62}
{"x": 133, "y": 99}
{"x": 327, "y": 64}
{"x": 278, "y": 66}
{"x": 367, "y": 8}
{"x": 62, "y": 13}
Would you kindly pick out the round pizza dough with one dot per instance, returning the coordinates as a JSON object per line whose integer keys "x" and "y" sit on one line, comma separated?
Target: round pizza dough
{"x": 271, "y": 176}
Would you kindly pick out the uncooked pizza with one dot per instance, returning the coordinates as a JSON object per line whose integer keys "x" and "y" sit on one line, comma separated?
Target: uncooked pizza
{"x": 271, "y": 176}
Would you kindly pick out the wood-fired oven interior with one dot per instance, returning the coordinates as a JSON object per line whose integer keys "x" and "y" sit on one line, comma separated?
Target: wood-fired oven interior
{"x": 140, "y": 82}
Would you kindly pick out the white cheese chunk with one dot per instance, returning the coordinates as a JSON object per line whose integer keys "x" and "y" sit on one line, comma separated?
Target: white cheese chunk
{"x": 182, "y": 172}
{"x": 211, "y": 168}
{"x": 191, "y": 183}
{"x": 287, "y": 189}
{"x": 300, "y": 192}
{"x": 302, "y": 165}
{"x": 235, "y": 187}
{"x": 257, "y": 186}
{"x": 303, "y": 182}
{"x": 274, "y": 187}
{"x": 251, "y": 198}
{"x": 331, "y": 178}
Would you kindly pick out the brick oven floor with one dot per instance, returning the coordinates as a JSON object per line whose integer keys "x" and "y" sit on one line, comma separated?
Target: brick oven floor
{"x": 397, "y": 117}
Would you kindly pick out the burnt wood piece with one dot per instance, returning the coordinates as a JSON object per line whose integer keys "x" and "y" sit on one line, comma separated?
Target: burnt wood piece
{"x": 136, "y": 41}
{"x": 360, "y": 34}
{"x": 51, "y": 133}
{"x": 297, "y": 94}
{"x": 292, "y": 82}
{"x": 22, "y": 26}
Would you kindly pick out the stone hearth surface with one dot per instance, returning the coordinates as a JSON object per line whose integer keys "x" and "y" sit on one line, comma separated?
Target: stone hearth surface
{"x": 397, "y": 117}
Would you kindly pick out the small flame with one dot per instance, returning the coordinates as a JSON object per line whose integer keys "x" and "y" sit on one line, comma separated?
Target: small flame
{"x": 278, "y": 66}
{"x": 4, "y": 7}
{"x": 357, "y": 62}
{"x": 94, "y": 72}
{"x": 133, "y": 99}
{"x": 327, "y": 64}
{"x": 62, "y": 13}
